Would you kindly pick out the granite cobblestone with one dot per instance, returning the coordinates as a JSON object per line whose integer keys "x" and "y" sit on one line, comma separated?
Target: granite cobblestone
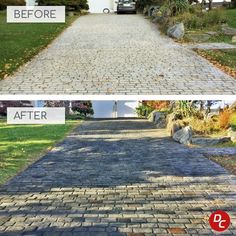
{"x": 117, "y": 177}
{"x": 117, "y": 54}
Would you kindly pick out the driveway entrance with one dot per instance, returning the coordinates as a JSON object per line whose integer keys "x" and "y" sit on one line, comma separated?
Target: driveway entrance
{"x": 117, "y": 177}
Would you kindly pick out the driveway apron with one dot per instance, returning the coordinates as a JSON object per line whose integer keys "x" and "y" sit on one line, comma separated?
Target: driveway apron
{"x": 117, "y": 177}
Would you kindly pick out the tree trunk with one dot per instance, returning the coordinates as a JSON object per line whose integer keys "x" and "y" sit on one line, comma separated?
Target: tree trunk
{"x": 210, "y": 4}
{"x": 67, "y": 107}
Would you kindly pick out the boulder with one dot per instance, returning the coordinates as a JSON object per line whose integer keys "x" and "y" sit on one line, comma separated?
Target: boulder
{"x": 152, "y": 10}
{"x": 176, "y": 31}
{"x": 198, "y": 37}
{"x": 206, "y": 142}
{"x": 159, "y": 118}
{"x": 228, "y": 30}
{"x": 175, "y": 127}
{"x": 212, "y": 33}
{"x": 234, "y": 39}
{"x": 184, "y": 135}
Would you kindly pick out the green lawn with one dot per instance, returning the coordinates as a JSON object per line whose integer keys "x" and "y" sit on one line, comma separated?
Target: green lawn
{"x": 20, "y": 42}
{"x": 20, "y": 145}
{"x": 225, "y": 57}
{"x": 231, "y": 17}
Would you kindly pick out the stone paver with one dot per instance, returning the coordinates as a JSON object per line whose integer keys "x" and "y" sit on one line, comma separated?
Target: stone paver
{"x": 120, "y": 177}
{"x": 210, "y": 46}
{"x": 117, "y": 54}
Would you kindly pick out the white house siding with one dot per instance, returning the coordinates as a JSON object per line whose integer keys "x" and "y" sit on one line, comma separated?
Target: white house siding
{"x": 114, "y": 109}
{"x": 127, "y": 108}
{"x": 31, "y": 2}
{"x": 97, "y": 6}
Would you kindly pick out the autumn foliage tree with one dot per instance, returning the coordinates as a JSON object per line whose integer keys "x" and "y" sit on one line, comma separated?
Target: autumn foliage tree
{"x": 224, "y": 119}
{"x": 157, "y": 105}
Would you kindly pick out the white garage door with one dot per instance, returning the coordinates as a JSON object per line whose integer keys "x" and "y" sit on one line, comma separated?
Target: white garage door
{"x": 103, "y": 109}
{"x": 97, "y": 6}
{"x": 113, "y": 109}
{"x": 126, "y": 108}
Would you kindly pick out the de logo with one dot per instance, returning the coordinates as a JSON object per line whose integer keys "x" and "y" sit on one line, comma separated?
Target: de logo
{"x": 219, "y": 221}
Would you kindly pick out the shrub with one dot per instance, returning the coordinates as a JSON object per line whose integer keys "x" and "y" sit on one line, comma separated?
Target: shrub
{"x": 5, "y": 3}
{"x": 76, "y": 5}
{"x": 144, "y": 110}
{"x": 84, "y": 108}
{"x": 214, "y": 17}
{"x": 203, "y": 127}
{"x": 178, "y": 6}
{"x": 200, "y": 19}
{"x": 158, "y": 105}
{"x": 233, "y": 120}
{"x": 224, "y": 119}
{"x": 54, "y": 104}
{"x": 5, "y": 104}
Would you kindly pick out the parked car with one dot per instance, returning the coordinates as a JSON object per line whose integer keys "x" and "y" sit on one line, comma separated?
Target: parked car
{"x": 126, "y": 6}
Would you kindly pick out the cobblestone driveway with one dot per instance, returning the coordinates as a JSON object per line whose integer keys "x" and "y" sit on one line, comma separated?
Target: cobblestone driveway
{"x": 117, "y": 178}
{"x": 117, "y": 54}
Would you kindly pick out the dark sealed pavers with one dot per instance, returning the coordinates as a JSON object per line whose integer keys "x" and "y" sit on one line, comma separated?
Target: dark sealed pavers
{"x": 117, "y": 177}
{"x": 117, "y": 54}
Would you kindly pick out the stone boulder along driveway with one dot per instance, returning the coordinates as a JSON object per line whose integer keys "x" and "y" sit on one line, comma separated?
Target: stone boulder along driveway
{"x": 117, "y": 177}
{"x": 117, "y": 54}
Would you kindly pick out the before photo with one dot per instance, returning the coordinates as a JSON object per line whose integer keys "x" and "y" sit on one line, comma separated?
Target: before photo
{"x": 118, "y": 168}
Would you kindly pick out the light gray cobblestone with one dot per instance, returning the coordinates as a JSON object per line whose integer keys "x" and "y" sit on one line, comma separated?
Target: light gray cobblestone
{"x": 117, "y": 54}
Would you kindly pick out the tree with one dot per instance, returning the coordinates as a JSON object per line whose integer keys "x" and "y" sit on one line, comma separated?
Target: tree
{"x": 83, "y": 107}
{"x": 5, "y": 3}
{"x": 54, "y": 103}
{"x": 233, "y": 2}
{"x": 210, "y": 4}
{"x": 5, "y": 104}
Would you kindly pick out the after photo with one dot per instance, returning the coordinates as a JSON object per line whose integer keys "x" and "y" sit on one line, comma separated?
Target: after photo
{"x": 119, "y": 168}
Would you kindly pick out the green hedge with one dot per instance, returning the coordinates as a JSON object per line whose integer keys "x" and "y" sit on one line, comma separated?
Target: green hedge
{"x": 76, "y": 5}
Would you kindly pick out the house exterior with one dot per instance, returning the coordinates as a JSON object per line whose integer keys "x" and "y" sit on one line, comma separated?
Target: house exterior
{"x": 97, "y": 6}
{"x": 107, "y": 109}
{"x": 114, "y": 109}
{"x": 31, "y": 2}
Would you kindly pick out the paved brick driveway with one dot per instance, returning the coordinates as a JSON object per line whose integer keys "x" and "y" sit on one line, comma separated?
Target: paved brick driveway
{"x": 117, "y": 54}
{"x": 116, "y": 178}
